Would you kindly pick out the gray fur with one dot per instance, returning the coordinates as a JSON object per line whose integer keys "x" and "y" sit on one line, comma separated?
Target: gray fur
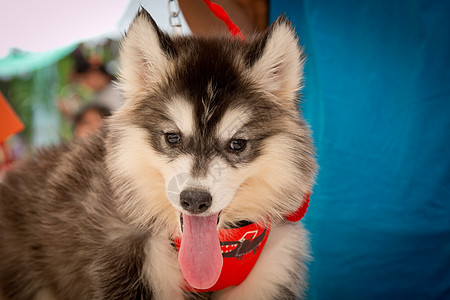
{"x": 71, "y": 220}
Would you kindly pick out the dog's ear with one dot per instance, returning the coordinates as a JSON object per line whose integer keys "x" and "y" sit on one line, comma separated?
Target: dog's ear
{"x": 145, "y": 55}
{"x": 278, "y": 67}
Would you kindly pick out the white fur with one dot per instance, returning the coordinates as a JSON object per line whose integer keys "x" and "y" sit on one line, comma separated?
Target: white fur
{"x": 181, "y": 112}
{"x": 259, "y": 194}
{"x": 221, "y": 182}
{"x": 143, "y": 63}
{"x": 279, "y": 69}
{"x": 162, "y": 270}
{"x": 177, "y": 178}
{"x": 141, "y": 169}
{"x": 231, "y": 122}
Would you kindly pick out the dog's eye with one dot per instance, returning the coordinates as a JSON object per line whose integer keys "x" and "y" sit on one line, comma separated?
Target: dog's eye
{"x": 173, "y": 138}
{"x": 237, "y": 145}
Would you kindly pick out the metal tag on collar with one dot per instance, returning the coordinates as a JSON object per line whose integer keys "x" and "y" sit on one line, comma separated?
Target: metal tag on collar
{"x": 174, "y": 17}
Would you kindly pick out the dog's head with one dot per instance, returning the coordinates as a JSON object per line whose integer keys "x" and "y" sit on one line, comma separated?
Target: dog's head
{"x": 210, "y": 126}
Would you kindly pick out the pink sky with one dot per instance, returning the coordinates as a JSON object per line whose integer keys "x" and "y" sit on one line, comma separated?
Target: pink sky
{"x": 43, "y": 25}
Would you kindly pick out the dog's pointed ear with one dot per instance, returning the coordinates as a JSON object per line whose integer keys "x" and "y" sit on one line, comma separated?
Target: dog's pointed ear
{"x": 145, "y": 55}
{"x": 278, "y": 68}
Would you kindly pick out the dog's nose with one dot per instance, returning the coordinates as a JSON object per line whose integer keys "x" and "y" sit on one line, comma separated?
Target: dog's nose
{"x": 195, "y": 201}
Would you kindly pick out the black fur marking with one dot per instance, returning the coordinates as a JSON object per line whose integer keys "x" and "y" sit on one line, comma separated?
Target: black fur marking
{"x": 256, "y": 49}
{"x": 165, "y": 41}
{"x": 285, "y": 294}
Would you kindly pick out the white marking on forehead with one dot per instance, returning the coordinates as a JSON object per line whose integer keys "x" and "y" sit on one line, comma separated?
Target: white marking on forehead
{"x": 231, "y": 122}
{"x": 182, "y": 113}
{"x": 208, "y": 110}
{"x": 210, "y": 90}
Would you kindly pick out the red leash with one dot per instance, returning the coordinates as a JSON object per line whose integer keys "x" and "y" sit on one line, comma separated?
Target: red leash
{"x": 220, "y": 13}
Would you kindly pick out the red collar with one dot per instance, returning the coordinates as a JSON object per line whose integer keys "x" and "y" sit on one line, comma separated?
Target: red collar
{"x": 301, "y": 211}
{"x": 241, "y": 248}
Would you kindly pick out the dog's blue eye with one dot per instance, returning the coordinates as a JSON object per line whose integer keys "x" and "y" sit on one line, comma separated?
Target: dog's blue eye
{"x": 173, "y": 138}
{"x": 237, "y": 145}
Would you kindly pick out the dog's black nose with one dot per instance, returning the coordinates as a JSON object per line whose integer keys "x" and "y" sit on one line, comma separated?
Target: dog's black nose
{"x": 195, "y": 201}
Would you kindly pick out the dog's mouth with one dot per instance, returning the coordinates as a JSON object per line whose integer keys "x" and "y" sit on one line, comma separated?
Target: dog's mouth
{"x": 200, "y": 255}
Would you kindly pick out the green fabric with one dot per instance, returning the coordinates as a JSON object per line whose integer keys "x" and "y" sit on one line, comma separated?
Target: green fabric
{"x": 18, "y": 63}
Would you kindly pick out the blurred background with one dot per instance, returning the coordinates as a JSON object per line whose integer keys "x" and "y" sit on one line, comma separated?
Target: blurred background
{"x": 376, "y": 95}
{"x": 59, "y": 59}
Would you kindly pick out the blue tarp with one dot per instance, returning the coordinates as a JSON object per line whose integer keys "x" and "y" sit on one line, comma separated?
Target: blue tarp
{"x": 377, "y": 97}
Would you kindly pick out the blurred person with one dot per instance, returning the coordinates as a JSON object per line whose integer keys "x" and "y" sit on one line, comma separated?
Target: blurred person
{"x": 11, "y": 150}
{"x": 92, "y": 84}
{"x": 93, "y": 74}
{"x": 89, "y": 119}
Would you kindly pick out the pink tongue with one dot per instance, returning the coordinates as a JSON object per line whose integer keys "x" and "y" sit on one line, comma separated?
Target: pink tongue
{"x": 200, "y": 256}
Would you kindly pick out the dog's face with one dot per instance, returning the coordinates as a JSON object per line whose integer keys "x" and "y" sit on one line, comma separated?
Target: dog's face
{"x": 210, "y": 126}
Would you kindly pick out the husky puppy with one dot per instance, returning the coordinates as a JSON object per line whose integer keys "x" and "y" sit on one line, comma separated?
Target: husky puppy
{"x": 210, "y": 136}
